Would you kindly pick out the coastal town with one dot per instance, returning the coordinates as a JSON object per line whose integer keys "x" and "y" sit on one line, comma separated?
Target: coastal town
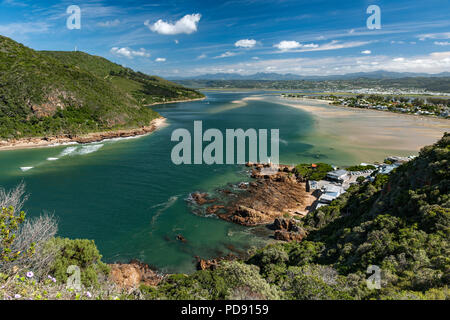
{"x": 425, "y": 106}
{"x": 337, "y": 182}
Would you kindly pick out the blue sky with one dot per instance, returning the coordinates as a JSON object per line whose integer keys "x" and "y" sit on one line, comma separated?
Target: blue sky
{"x": 185, "y": 38}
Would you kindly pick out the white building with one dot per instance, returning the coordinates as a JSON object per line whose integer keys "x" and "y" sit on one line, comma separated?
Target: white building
{"x": 338, "y": 175}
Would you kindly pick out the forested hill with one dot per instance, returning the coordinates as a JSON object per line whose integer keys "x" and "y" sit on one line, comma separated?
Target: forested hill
{"x": 398, "y": 223}
{"x": 54, "y": 93}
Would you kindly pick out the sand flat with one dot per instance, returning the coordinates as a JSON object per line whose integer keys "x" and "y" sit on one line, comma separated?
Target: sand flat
{"x": 369, "y": 130}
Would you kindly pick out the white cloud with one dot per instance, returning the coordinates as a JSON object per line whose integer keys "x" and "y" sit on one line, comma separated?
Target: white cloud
{"x": 109, "y": 24}
{"x": 202, "y": 56}
{"x": 188, "y": 24}
{"x": 14, "y": 3}
{"x": 294, "y": 46}
{"x": 444, "y": 35}
{"x": 176, "y": 41}
{"x": 366, "y": 52}
{"x": 432, "y": 63}
{"x": 288, "y": 45}
{"x": 160, "y": 59}
{"x": 226, "y": 55}
{"x": 129, "y": 53}
{"x": 442, "y": 43}
{"x": 245, "y": 43}
{"x": 255, "y": 58}
{"x": 23, "y": 28}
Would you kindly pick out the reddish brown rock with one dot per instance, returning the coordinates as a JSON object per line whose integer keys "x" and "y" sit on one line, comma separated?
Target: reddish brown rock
{"x": 130, "y": 276}
{"x": 289, "y": 236}
{"x": 201, "y": 198}
{"x": 203, "y": 264}
{"x": 285, "y": 225}
{"x": 214, "y": 208}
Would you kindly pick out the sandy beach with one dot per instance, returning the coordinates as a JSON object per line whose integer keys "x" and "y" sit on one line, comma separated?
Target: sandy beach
{"x": 371, "y": 129}
{"x": 29, "y": 143}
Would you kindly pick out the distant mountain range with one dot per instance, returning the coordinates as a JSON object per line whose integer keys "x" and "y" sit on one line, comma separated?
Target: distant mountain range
{"x": 380, "y": 74}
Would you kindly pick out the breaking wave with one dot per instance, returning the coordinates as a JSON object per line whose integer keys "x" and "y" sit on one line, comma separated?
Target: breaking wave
{"x": 72, "y": 151}
{"x": 89, "y": 149}
{"x": 67, "y": 151}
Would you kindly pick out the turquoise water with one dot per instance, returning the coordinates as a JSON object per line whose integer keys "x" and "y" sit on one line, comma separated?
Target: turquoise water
{"x": 129, "y": 197}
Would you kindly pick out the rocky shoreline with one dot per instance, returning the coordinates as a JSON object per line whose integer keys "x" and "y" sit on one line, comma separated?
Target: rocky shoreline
{"x": 28, "y": 143}
{"x": 275, "y": 198}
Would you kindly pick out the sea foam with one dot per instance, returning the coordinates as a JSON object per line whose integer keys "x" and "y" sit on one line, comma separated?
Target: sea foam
{"x": 89, "y": 149}
{"x": 67, "y": 151}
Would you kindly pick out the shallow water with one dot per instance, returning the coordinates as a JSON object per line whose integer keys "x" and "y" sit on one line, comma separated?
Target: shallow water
{"x": 129, "y": 197}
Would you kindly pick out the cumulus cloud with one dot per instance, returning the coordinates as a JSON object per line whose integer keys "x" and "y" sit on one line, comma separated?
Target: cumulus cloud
{"x": 160, "y": 59}
{"x": 109, "y": 24}
{"x": 129, "y": 53}
{"x": 366, "y": 52}
{"x": 287, "y": 45}
{"x": 188, "y": 24}
{"x": 245, "y": 43}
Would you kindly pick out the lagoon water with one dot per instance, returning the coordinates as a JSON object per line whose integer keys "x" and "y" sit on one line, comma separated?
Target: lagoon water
{"x": 129, "y": 197}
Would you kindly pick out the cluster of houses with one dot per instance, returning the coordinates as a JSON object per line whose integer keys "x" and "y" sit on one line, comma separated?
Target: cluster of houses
{"x": 338, "y": 181}
{"x": 392, "y": 106}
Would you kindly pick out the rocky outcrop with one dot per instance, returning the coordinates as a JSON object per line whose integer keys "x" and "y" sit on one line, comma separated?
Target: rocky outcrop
{"x": 203, "y": 264}
{"x": 287, "y": 230}
{"x": 214, "y": 209}
{"x": 274, "y": 193}
{"x": 212, "y": 264}
{"x": 247, "y": 216}
{"x": 130, "y": 276}
{"x": 288, "y": 236}
{"x": 201, "y": 198}
{"x": 181, "y": 238}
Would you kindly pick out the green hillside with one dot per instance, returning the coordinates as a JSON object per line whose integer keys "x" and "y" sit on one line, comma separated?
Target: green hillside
{"x": 56, "y": 93}
{"x": 400, "y": 223}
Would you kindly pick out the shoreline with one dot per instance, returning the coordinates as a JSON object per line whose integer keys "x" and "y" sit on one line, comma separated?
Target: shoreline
{"x": 330, "y": 103}
{"x": 55, "y": 141}
{"x": 176, "y": 101}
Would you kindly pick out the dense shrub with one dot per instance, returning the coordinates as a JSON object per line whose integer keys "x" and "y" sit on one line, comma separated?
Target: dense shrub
{"x": 81, "y": 253}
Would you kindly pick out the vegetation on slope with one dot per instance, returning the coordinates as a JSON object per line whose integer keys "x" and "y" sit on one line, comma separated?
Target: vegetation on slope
{"x": 58, "y": 93}
{"x": 400, "y": 223}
